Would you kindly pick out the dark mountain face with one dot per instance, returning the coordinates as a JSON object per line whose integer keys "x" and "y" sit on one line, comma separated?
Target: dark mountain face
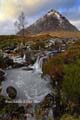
{"x": 52, "y": 21}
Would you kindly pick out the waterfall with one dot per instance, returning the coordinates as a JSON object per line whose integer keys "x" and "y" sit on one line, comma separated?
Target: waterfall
{"x": 18, "y": 59}
{"x": 37, "y": 67}
{"x": 24, "y": 58}
{"x": 38, "y": 64}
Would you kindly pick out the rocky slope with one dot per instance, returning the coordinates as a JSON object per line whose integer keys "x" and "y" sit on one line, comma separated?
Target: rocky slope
{"x": 52, "y": 21}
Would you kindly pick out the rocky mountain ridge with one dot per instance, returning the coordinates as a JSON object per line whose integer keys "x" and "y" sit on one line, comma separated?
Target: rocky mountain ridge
{"x": 52, "y": 21}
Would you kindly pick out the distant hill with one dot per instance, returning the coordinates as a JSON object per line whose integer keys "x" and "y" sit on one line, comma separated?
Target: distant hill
{"x": 52, "y": 21}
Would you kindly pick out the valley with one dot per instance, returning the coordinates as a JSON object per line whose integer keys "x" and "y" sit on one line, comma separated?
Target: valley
{"x": 40, "y": 70}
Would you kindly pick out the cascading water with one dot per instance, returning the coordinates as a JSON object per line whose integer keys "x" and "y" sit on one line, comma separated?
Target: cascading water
{"x": 29, "y": 85}
{"x": 28, "y": 82}
{"x": 37, "y": 67}
{"x": 24, "y": 57}
{"x": 18, "y": 59}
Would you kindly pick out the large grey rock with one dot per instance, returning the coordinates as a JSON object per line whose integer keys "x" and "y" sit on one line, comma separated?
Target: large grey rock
{"x": 11, "y": 91}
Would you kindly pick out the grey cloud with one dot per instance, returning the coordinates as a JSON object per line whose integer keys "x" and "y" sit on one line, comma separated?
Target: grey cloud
{"x": 7, "y": 27}
{"x": 76, "y": 23}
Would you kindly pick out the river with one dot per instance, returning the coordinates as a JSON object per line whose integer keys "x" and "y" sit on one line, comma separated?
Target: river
{"x": 29, "y": 85}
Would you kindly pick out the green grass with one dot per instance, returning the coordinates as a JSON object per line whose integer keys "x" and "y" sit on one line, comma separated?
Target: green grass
{"x": 69, "y": 117}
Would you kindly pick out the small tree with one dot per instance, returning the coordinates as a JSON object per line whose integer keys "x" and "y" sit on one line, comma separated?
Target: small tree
{"x": 20, "y": 24}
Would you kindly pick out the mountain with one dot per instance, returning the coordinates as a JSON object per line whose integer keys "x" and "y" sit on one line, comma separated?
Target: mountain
{"x": 52, "y": 21}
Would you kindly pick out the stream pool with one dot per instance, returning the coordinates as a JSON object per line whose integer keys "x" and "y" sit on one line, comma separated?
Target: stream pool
{"x": 29, "y": 85}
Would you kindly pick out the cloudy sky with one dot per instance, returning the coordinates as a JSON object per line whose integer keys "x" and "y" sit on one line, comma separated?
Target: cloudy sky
{"x": 11, "y": 9}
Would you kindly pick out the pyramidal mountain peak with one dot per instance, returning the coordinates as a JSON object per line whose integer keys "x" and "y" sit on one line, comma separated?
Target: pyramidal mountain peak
{"x": 56, "y": 14}
{"x": 52, "y": 12}
{"x": 51, "y": 21}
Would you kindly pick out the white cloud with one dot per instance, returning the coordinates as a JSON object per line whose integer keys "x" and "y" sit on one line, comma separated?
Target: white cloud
{"x": 76, "y": 23}
{"x": 10, "y": 9}
{"x": 7, "y": 10}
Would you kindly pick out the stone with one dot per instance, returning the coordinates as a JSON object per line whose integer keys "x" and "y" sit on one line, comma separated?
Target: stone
{"x": 11, "y": 91}
{"x": 2, "y": 73}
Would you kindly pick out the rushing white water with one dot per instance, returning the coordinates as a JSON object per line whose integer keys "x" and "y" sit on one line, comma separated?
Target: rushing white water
{"x": 37, "y": 67}
{"x": 28, "y": 84}
{"x": 18, "y": 59}
{"x": 24, "y": 57}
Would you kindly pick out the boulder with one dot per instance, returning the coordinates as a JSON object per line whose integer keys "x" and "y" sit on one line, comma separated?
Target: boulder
{"x": 11, "y": 91}
{"x": 49, "y": 97}
{"x": 48, "y": 100}
{"x": 18, "y": 65}
{"x": 27, "y": 69}
{"x": 8, "y": 61}
{"x": 2, "y": 73}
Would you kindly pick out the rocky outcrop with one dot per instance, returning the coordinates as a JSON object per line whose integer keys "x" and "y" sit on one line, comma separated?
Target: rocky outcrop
{"x": 11, "y": 91}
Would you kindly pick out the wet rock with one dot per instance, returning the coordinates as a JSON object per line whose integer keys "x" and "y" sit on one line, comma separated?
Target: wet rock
{"x": 48, "y": 100}
{"x": 18, "y": 65}
{"x": 49, "y": 96}
{"x": 12, "y": 93}
{"x": 8, "y": 61}
{"x": 28, "y": 69}
{"x": 2, "y": 73}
